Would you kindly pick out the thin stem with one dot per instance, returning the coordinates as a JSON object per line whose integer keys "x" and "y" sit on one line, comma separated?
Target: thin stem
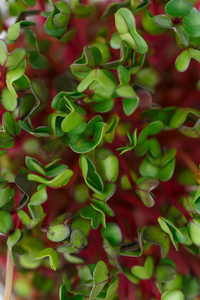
{"x": 9, "y": 275}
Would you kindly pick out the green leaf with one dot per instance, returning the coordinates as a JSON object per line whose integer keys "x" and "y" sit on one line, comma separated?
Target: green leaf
{"x": 77, "y": 240}
{"x": 91, "y": 138}
{"x": 58, "y": 181}
{"x": 10, "y": 125}
{"x": 113, "y": 7}
{"x": 96, "y": 216}
{"x": 183, "y": 60}
{"x": 151, "y": 129}
{"x": 6, "y": 194}
{"x": 13, "y": 32}
{"x": 6, "y": 141}
{"x": 130, "y": 105}
{"x": 104, "y": 106}
{"x": 182, "y": 34}
{"x": 40, "y": 196}
{"x": 132, "y": 144}
{"x": 105, "y": 85}
{"x": 174, "y": 233}
{"x": 63, "y": 7}
{"x": 53, "y": 257}
{"x": 27, "y": 187}
{"x": 6, "y": 222}
{"x": 192, "y": 132}
{"x": 35, "y": 166}
{"x": 144, "y": 188}
{"x": 82, "y": 11}
{"x": 155, "y": 235}
{"x": 3, "y": 51}
{"x": 14, "y": 238}
{"x": 175, "y": 295}
{"x": 125, "y": 24}
{"x": 145, "y": 272}
{"x": 58, "y": 230}
{"x": 68, "y": 35}
{"x": 112, "y": 233}
{"x": 194, "y": 231}
{"x": 165, "y": 270}
{"x": 109, "y": 168}
{"x": 40, "y": 91}
{"x": 197, "y": 201}
{"x": 38, "y": 61}
{"x": 100, "y": 200}
{"x": 161, "y": 168}
{"x": 163, "y": 21}
{"x": 15, "y": 58}
{"x": 30, "y": 2}
{"x": 90, "y": 175}
{"x": 60, "y": 20}
{"x": 123, "y": 75}
{"x": 49, "y": 26}
{"x": 133, "y": 249}
{"x": 13, "y": 75}
{"x": 150, "y": 25}
{"x": 100, "y": 277}
{"x": 191, "y": 23}
{"x": 178, "y": 8}
{"x": 9, "y": 101}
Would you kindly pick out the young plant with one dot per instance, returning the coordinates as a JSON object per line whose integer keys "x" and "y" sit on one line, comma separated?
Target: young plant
{"x": 100, "y": 149}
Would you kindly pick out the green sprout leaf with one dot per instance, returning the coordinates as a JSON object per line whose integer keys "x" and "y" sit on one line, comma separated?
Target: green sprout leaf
{"x": 125, "y": 24}
{"x": 100, "y": 277}
{"x": 58, "y": 230}
{"x": 6, "y": 222}
{"x": 155, "y": 235}
{"x": 90, "y": 175}
{"x": 145, "y": 272}
{"x": 77, "y": 240}
{"x": 183, "y": 60}
{"x": 174, "y": 233}
{"x": 178, "y": 8}
{"x": 144, "y": 186}
{"x": 112, "y": 233}
{"x": 9, "y": 101}
{"x": 193, "y": 229}
{"x": 96, "y": 216}
{"x": 175, "y": 294}
{"x": 132, "y": 144}
{"x": 53, "y": 257}
{"x": 160, "y": 168}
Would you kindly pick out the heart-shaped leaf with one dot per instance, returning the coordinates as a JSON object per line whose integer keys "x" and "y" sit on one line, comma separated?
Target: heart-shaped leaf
{"x": 53, "y": 257}
{"x": 77, "y": 240}
{"x": 145, "y": 272}
{"x": 144, "y": 186}
{"x": 155, "y": 235}
{"x": 96, "y": 216}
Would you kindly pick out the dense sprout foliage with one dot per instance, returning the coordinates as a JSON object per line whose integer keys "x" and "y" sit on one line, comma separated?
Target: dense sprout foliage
{"x": 100, "y": 128}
